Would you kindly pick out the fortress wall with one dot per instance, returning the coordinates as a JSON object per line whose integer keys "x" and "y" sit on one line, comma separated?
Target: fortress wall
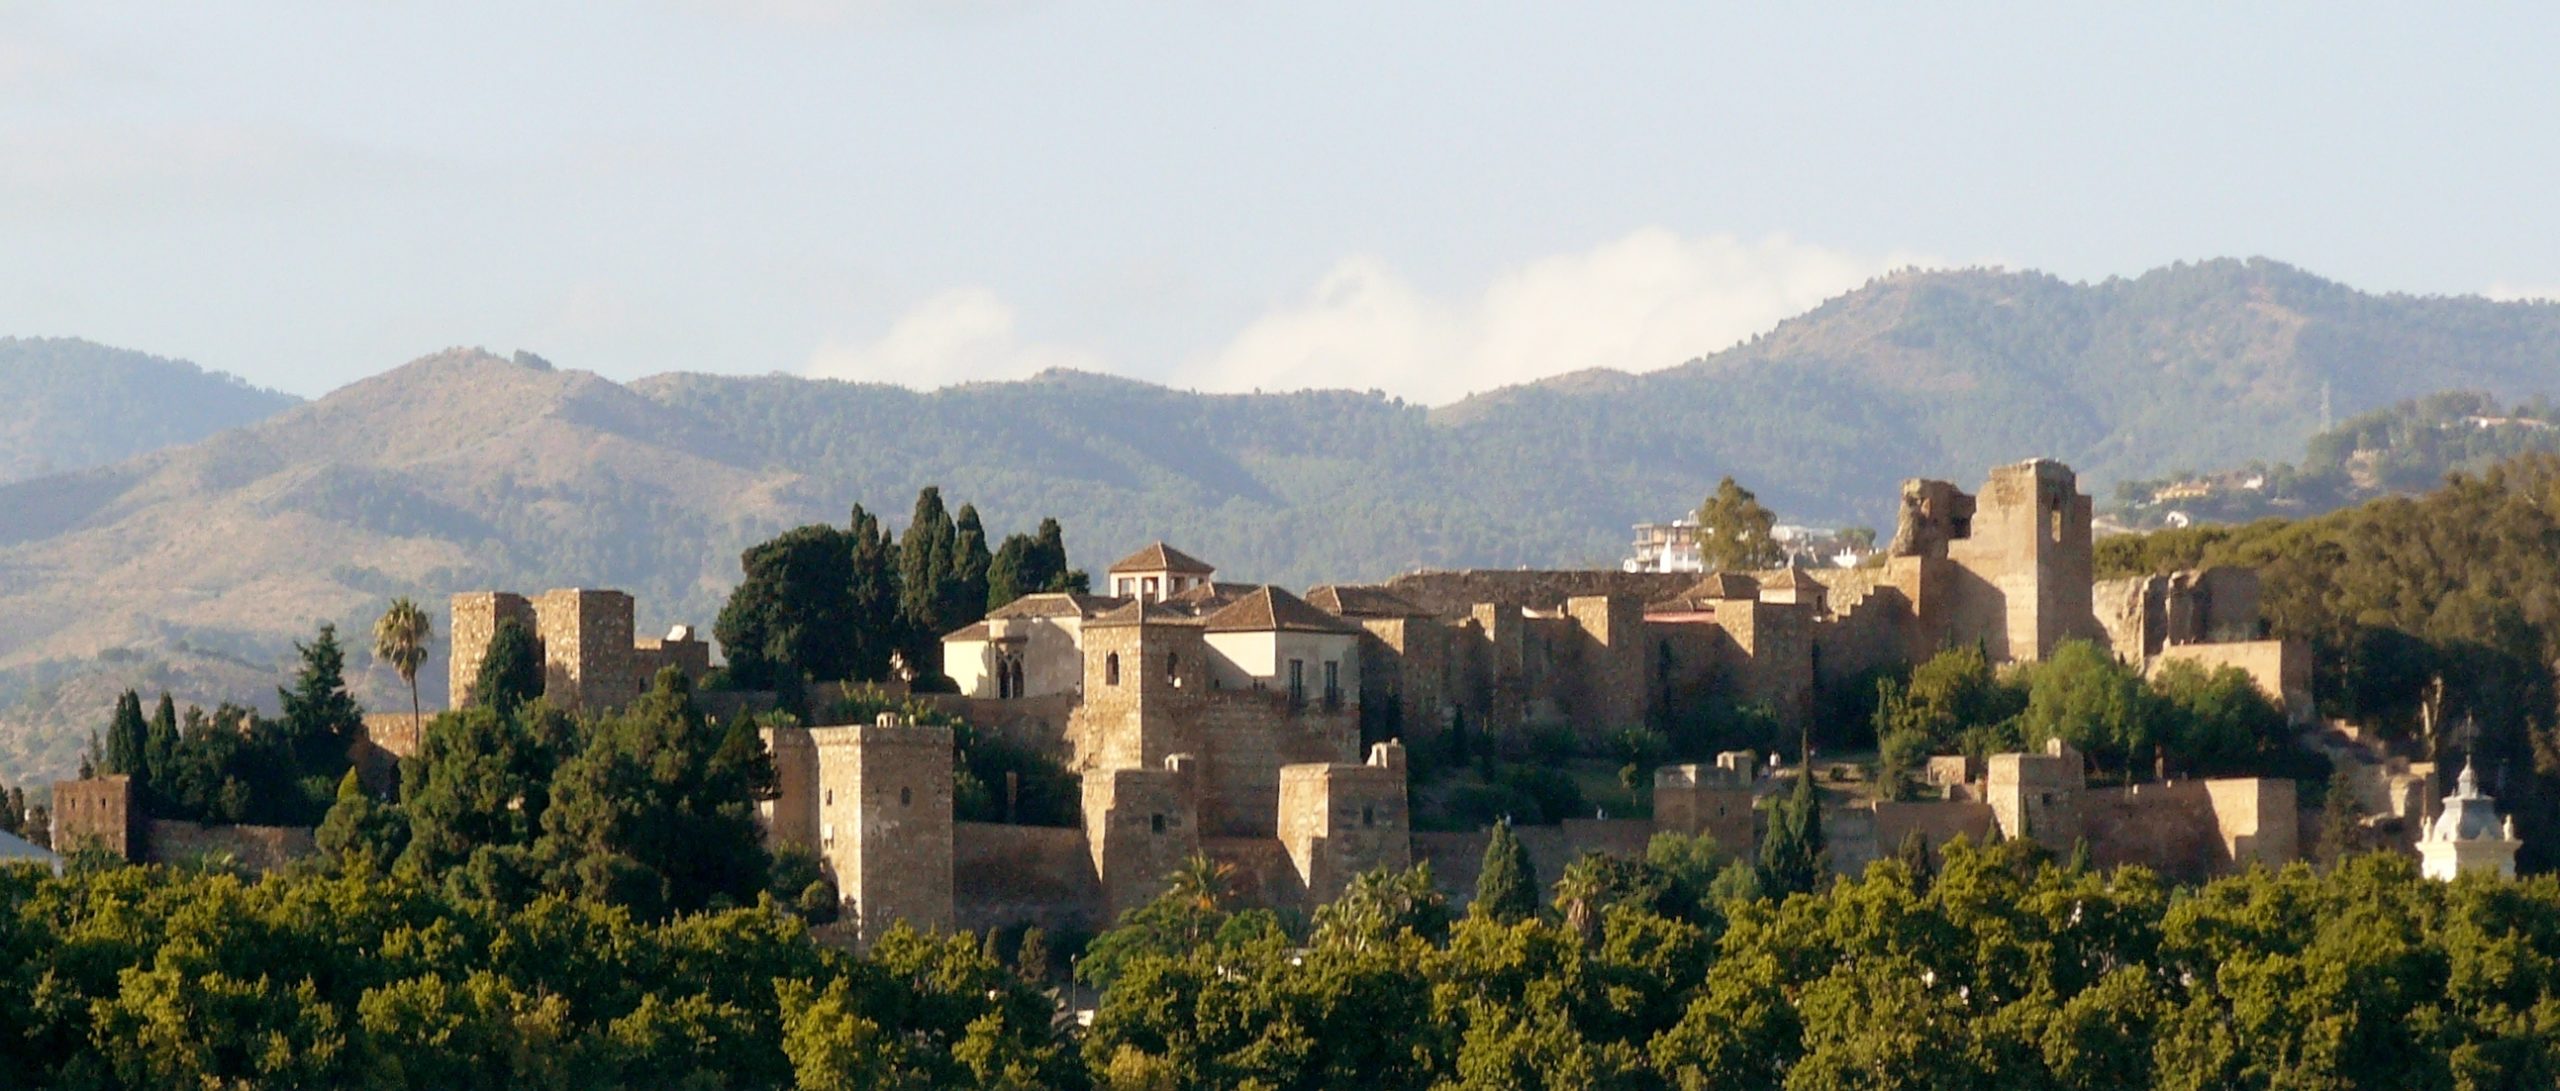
{"x": 1262, "y": 874}
{"x": 1455, "y": 594}
{"x": 1242, "y": 740}
{"x": 1038, "y": 723}
{"x": 259, "y": 848}
{"x": 474, "y": 624}
{"x": 2259, "y": 818}
{"x": 1004, "y": 876}
{"x": 1457, "y": 858}
{"x": 1936, "y": 821}
{"x": 2170, "y": 828}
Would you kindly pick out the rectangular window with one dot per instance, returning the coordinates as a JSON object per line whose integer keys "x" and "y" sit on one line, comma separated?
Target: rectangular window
{"x": 1297, "y": 681}
{"x": 1332, "y": 684}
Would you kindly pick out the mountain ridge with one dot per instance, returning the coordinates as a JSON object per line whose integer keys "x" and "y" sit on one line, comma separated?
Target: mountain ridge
{"x": 463, "y": 469}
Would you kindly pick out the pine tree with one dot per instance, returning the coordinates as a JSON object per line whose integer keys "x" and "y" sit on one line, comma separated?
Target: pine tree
{"x": 1792, "y": 858}
{"x": 1031, "y": 961}
{"x": 321, "y": 720}
{"x": 1507, "y": 886}
{"x": 1735, "y": 531}
{"x": 651, "y": 814}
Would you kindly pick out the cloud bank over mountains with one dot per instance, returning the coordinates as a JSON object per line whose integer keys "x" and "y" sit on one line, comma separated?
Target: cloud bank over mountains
{"x": 1650, "y": 300}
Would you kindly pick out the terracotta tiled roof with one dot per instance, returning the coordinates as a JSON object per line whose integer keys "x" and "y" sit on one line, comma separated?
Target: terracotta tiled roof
{"x": 1057, "y": 604}
{"x": 1163, "y": 558}
{"x": 979, "y": 631}
{"x": 1270, "y": 609}
{"x": 1361, "y": 600}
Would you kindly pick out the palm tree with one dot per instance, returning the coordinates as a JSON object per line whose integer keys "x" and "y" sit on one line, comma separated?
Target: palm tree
{"x": 400, "y": 639}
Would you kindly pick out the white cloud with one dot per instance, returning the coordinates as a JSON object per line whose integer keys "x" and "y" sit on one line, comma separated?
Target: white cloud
{"x": 1651, "y": 300}
{"x": 957, "y": 337}
{"x": 1648, "y": 301}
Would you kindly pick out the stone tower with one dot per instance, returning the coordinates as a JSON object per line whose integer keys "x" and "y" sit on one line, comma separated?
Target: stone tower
{"x": 2026, "y": 557}
{"x": 587, "y": 648}
{"x": 475, "y": 623}
{"x": 2468, "y": 836}
{"x": 885, "y": 821}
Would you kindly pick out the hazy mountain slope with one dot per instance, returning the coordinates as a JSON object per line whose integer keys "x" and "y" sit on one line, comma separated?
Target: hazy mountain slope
{"x": 68, "y": 405}
{"x": 194, "y": 567}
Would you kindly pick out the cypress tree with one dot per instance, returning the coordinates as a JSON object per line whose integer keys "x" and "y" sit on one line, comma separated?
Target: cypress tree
{"x": 924, "y": 579}
{"x": 872, "y": 596}
{"x": 511, "y": 673}
{"x": 967, "y": 594}
{"x": 1010, "y": 575}
{"x": 1792, "y": 858}
{"x": 160, "y": 743}
{"x": 1507, "y": 886}
{"x": 128, "y": 741}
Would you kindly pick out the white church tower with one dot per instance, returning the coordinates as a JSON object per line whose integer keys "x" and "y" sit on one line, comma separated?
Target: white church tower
{"x": 2468, "y": 835}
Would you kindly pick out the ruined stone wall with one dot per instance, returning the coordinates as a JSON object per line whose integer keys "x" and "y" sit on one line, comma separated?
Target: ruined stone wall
{"x": 1038, "y": 724}
{"x": 886, "y": 822}
{"x": 258, "y": 848}
{"x": 1007, "y": 876}
{"x": 1139, "y": 825}
{"x": 100, "y": 813}
{"x": 473, "y": 625}
{"x": 1456, "y": 595}
{"x": 2281, "y": 668}
{"x": 589, "y": 655}
{"x": 2145, "y": 615}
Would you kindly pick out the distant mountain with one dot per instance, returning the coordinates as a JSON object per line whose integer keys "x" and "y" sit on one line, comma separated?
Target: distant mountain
{"x": 69, "y": 405}
{"x": 194, "y": 567}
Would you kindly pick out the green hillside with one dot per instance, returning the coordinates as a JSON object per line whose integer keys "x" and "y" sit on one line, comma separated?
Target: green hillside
{"x": 73, "y": 405}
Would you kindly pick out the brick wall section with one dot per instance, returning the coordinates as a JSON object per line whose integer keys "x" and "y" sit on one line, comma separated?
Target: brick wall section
{"x": 1017, "y": 875}
{"x": 258, "y": 848}
{"x": 97, "y": 813}
{"x": 474, "y": 623}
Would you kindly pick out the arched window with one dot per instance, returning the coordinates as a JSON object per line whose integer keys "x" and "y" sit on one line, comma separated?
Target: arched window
{"x": 906, "y": 797}
{"x": 1173, "y": 669}
{"x": 1111, "y": 669}
{"x": 1018, "y": 691}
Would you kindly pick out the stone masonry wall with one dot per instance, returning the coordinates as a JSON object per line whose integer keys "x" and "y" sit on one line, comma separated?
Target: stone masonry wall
{"x": 474, "y": 623}
{"x": 1337, "y": 821}
{"x": 258, "y": 848}
{"x": 886, "y": 822}
{"x": 1004, "y": 876}
{"x": 1454, "y": 595}
{"x": 590, "y": 658}
{"x": 100, "y": 812}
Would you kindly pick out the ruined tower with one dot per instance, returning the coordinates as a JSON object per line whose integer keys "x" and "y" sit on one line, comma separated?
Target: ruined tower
{"x": 2025, "y": 563}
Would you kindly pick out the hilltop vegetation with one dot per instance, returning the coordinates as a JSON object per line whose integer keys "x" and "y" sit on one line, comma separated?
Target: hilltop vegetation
{"x": 193, "y": 567}
{"x": 2434, "y": 618}
{"x": 73, "y": 405}
{"x": 2408, "y": 447}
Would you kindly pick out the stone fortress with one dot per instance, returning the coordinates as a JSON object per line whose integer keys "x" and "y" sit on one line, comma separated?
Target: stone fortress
{"x": 1267, "y": 731}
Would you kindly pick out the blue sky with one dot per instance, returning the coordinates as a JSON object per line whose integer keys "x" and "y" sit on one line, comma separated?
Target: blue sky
{"x": 1428, "y": 199}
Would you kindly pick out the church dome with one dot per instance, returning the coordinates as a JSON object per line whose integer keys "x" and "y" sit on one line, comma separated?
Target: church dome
{"x": 2468, "y": 815}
